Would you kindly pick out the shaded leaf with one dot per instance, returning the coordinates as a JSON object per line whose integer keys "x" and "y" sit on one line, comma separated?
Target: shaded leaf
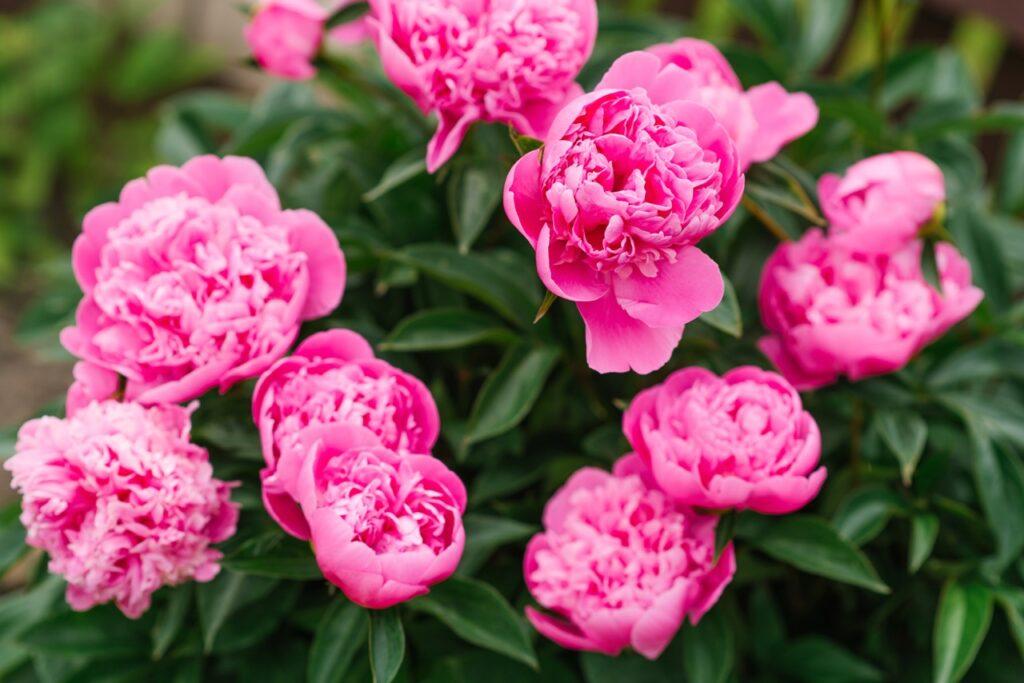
{"x": 387, "y": 644}
{"x": 924, "y": 529}
{"x": 905, "y": 433}
{"x": 709, "y": 650}
{"x": 964, "y": 615}
{"x": 341, "y": 633}
{"x": 442, "y": 329}
{"x": 726, "y": 316}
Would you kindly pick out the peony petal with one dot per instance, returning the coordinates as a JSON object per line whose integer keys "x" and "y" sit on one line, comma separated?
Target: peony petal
{"x": 308, "y": 234}
{"x": 617, "y": 342}
{"x": 680, "y": 292}
{"x": 523, "y": 199}
{"x": 575, "y": 281}
{"x": 781, "y": 118}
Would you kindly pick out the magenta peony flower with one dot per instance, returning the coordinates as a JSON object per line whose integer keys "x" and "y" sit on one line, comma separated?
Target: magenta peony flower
{"x": 196, "y": 278}
{"x": 509, "y": 61}
{"x": 630, "y": 178}
{"x": 385, "y": 526}
{"x": 761, "y": 120}
{"x": 620, "y": 565}
{"x": 331, "y": 378}
{"x": 882, "y": 202}
{"x": 831, "y": 311}
{"x": 740, "y": 441}
{"x": 285, "y": 36}
{"x": 122, "y": 502}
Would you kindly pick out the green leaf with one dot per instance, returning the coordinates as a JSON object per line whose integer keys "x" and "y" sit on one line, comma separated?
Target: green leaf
{"x": 1012, "y": 602}
{"x": 403, "y": 169}
{"x": 905, "y": 433}
{"x": 387, "y": 644}
{"x": 485, "y": 534}
{"x": 523, "y": 143}
{"x": 508, "y": 394}
{"x": 997, "y": 357}
{"x": 709, "y": 650}
{"x": 1001, "y": 491}
{"x": 818, "y": 660}
{"x": 274, "y": 555}
{"x": 474, "y": 192}
{"x": 341, "y": 633}
{"x": 98, "y": 633}
{"x": 443, "y": 329}
{"x": 12, "y": 537}
{"x": 812, "y": 545}
{"x": 821, "y": 29}
{"x": 977, "y": 239}
{"x": 479, "y": 614}
{"x": 865, "y": 513}
{"x": 477, "y": 275}
{"x": 221, "y": 597}
{"x": 626, "y": 668}
{"x": 924, "y": 529}
{"x": 964, "y": 615}
{"x": 726, "y": 316}
{"x": 347, "y": 14}
{"x": 171, "y": 618}
{"x": 725, "y": 530}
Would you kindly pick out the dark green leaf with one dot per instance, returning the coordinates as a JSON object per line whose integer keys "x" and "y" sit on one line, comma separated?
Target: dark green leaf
{"x": 347, "y": 14}
{"x": 1001, "y": 491}
{"x": 341, "y": 633}
{"x": 274, "y": 555}
{"x": 479, "y": 614}
{"x": 818, "y": 660}
{"x": 98, "y": 633}
{"x": 725, "y": 529}
{"x": 964, "y": 615}
{"x": 626, "y": 667}
{"x": 171, "y": 619}
{"x": 865, "y": 514}
{"x": 509, "y": 393}
{"x": 905, "y": 433}
{"x": 12, "y": 537}
{"x": 977, "y": 239}
{"x": 221, "y": 597}
{"x": 924, "y": 529}
{"x": 726, "y": 316}
{"x": 387, "y": 644}
{"x": 442, "y": 329}
{"x": 1012, "y": 602}
{"x": 474, "y": 192}
{"x": 484, "y": 535}
{"x": 709, "y": 650}
{"x": 402, "y": 170}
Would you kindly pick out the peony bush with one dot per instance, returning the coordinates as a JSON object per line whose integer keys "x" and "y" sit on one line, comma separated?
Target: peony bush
{"x": 744, "y": 405}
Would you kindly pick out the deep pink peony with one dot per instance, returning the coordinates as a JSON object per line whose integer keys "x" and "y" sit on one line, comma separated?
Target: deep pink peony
{"x": 831, "y": 311}
{"x": 620, "y": 565}
{"x": 508, "y": 61}
{"x": 196, "y": 278}
{"x": 738, "y": 441}
{"x": 122, "y": 501}
{"x": 881, "y": 203}
{"x": 285, "y": 36}
{"x": 333, "y": 377}
{"x": 630, "y": 178}
{"x": 761, "y": 120}
{"x": 385, "y": 526}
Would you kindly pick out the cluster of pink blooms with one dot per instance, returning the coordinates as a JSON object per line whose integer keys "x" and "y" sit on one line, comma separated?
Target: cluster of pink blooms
{"x": 346, "y": 438}
{"x": 855, "y": 302}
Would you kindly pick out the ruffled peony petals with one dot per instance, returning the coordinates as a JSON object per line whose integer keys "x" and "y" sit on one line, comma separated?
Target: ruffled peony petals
{"x": 653, "y": 631}
{"x": 522, "y": 197}
{"x": 632, "y": 70}
{"x": 786, "y": 494}
{"x": 781, "y": 118}
{"x": 617, "y": 342}
{"x": 574, "y": 281}
{"x": 92, "y": 383}
{"x": 344, "y": 345}
{"x": 560, "y": 504}
{"x": 680, "y": 292}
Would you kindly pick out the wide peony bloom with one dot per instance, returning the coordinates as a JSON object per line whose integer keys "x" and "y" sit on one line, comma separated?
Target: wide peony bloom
{"x": 881, "y": 203}
{"x": 738, "y": 441}
{"x": 122, "y": 501}
{"x": 630, "y": 178}
{"x": 333, "y": 377}
{"x": 196, "y": 278}
{"x": 761, "y": 120}
{"x": 620, "y": 565}
{"x": 831, "y": 311}
{"x": 508, "y": 61}
{"x": 285, "y": 36}
{"x": 385, "y": 526}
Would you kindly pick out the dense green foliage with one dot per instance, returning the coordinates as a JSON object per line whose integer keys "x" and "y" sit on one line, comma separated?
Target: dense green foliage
{"x": 908, "y": 566}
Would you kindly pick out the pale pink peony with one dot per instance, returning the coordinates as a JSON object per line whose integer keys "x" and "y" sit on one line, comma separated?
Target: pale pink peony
{"x": 333, "y": 377}
{"x": 122, "y": 501}
{"x": 507, "y": 61}
{"x": 196, "y": 278}
{"x": 831, "y": 311}
{"x": 620, "y": 565}
{"x": 285, "y": 36}
{"x": 738, "y": 441}
{"x": 385, "y": 526}
{"x": 761, "y": 120}
{"x": 630, "y": 178}
{"x": 881, "y": 203}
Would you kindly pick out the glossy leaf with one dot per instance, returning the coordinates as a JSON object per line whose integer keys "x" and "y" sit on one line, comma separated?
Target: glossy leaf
{"x": 709, "y": 649}
{"x": 443, "y": 329}
{"x": 924, "y": 529}
{"x": 961, "y": 624}
{"x": 726, "y": 316}
{"x": 387, "y": 644}
{"x": 339, "y": 637}
{"x": 905, "y": 434}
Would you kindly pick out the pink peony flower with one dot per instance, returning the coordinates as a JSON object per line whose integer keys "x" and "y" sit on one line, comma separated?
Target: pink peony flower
{"x": 882, "y": 202}
{"x": 630, "y": 178}
{"x": 508, "y": 61}
{"x": 761, "y": 120}
{"x": 831, "y": 311}
{"x": 122, "y": 502}
{"x": 331, "y": 378}
{"x": 620, "y": 565}
{"x": 285, "y": 36}
{"x": 385, "y": 526}
{"x": 739, "y": 441}
{"x": 196, "y": 277}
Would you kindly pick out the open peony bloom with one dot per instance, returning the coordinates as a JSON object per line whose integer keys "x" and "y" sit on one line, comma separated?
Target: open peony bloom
{"x": 831, "y": 311}
{"x": 738, "y": 441}
{"x": 630, "y": 178}
{"x": 761, "y": 120}
{"x": 881, "y": 203}
{"x": 620, "y": 565}
{"x": 285, "y": 36}
{"x": 507, "y": 61}
{"x": 196, "y": 278}
{"x": 333, "y": 377}
{"x": 385, "y": 526}
{"x": 122, "y": 501}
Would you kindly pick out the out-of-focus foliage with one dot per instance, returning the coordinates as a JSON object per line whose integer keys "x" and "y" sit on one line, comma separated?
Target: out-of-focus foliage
{"x": 909, "y": 565}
